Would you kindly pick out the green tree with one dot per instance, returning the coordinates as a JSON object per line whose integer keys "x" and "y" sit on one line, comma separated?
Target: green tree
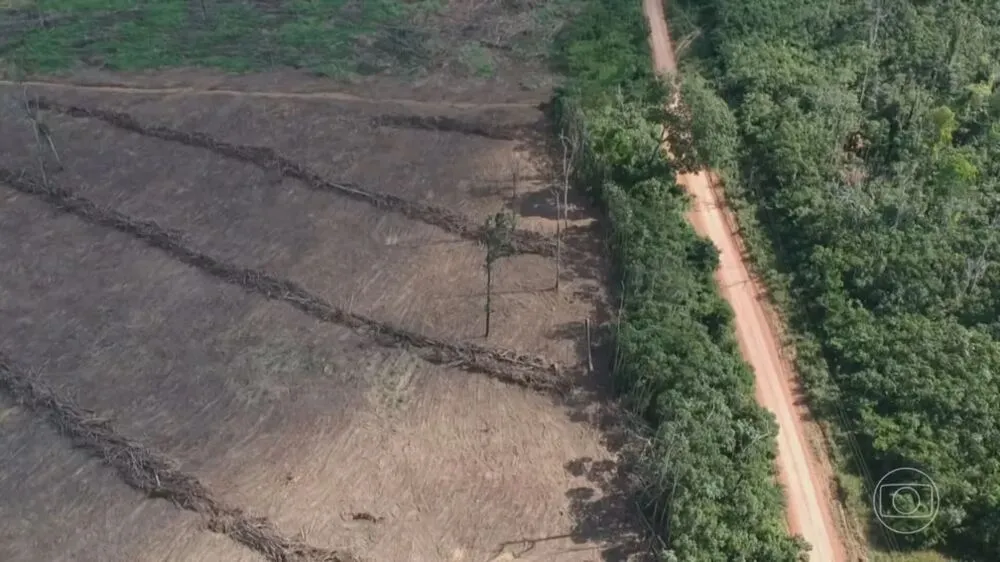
{"x": 866, "y": 141}
{"x": 498, "y": 238}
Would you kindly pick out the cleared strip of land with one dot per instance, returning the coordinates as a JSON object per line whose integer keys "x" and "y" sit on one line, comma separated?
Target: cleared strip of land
{"x": 153, "y": 473}
{"x": 508, "y": 366}
{"x": 268, "y": 159}
{"x": 333, "y": 96}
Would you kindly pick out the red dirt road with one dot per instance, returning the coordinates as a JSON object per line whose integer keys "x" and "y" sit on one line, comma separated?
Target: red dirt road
{"x": 806, "y": 483}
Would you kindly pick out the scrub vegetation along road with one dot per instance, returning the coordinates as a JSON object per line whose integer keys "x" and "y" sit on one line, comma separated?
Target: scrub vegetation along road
{"x": 805, "y": 482}
{"x": 860, "y": 142}
{"x": 708, "y": 479}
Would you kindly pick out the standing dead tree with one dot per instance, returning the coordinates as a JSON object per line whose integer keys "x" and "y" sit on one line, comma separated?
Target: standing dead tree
{"x": 555, "y": 193}
{"x": 42, "y": 133}
{"x": 515, "y": 165}
{"x": 976, "y": 268}
{"x": 569, "y": 146}
{"x": 27, "y": 106}
{"x": 499, "y": 230}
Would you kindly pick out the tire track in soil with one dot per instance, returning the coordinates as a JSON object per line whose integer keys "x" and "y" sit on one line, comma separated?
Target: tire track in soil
{"x": 153, "y": 473}
{"x": 332, "y": 96}
{"x": 803, "y": 476}
{"x": 266, "y": 158}
{"x": 508, "y": 366}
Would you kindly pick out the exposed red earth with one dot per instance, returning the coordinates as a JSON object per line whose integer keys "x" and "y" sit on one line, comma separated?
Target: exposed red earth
{"x": 802, "y": 474}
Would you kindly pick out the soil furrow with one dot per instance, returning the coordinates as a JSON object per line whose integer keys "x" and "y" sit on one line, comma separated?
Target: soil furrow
{"x": 507, "y": 366}
{"x": 268, "y": 159}
{"x": 153, "y": 473}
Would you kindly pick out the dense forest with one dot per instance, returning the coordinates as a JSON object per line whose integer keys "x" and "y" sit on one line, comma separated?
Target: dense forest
{"x": 864, "y": 138}
{"x": 706, "y": 483}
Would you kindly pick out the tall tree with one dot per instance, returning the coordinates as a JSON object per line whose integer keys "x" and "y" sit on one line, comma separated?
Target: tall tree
{"x": 499, "y": 232}
{"x": 865, "y": 134}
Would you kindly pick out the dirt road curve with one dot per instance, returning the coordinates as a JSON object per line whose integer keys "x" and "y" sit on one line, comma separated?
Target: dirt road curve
{"x": 806, "y": 483}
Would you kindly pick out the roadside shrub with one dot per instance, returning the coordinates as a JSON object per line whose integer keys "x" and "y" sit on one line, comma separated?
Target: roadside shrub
{"x": 708, "y": 481}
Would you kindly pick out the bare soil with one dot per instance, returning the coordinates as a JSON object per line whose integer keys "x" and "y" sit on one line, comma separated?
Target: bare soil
{"x": 432, "y": 89}
{"x": 63, "y": 506}
{"x": 342, "y": 441}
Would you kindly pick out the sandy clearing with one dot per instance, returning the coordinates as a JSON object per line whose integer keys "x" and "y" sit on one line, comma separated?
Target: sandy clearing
{"x": 303, "y": 422}
{"x": 806, "y": 484}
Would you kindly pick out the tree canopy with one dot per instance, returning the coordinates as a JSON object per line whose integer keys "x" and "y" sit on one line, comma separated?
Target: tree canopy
{"x": 708, "y": 483}
{"x": 866, "y": 136}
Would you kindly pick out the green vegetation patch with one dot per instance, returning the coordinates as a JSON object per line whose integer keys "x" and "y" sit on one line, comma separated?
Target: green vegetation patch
{"x": 329, "y": 37}
{"x": 709, "y": 485}
{"x": 338, "y": 38}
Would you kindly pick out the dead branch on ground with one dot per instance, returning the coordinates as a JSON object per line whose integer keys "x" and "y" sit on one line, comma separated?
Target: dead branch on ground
{"x": 153, "y": 473}
{"x": 508, "y": 366}
{"x": 268, "y": 159}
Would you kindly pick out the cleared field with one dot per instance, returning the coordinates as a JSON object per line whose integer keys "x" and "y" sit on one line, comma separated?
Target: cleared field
{"x": 87, "y": 515}
{"x": 310, "y": 356}
{"x": 349, "y": 253}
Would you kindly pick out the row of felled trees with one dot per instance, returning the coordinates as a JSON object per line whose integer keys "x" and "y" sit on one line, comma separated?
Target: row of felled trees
{"x": 707, "y": 479}
{"x": 865, "y": 136}
{"x": 499, "y": 228}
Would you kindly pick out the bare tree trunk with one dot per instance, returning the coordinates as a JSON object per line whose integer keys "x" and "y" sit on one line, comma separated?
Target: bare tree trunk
{"x": 590, "y": 354}
{"x": 499, "y": 230}
{"x": 558, "y": 246}
{"x": 48, "y": 137}
{"x": 489, "y": 296}
{"x": 517, "y": 173}
{"x": 976, "y": 269}
{"x": 874, "y": 26}
{"x": 37, "y": 129}
{"x": 565, "y": 205}
{"x": 562, "y": 217}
